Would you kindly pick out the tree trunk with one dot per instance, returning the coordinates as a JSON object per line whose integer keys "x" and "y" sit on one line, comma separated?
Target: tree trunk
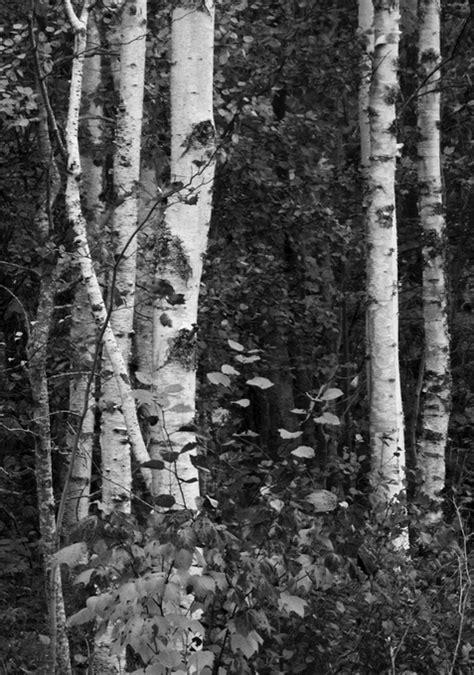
{"x": 115, "y": 446}
{"x": 82, "y": 250}
{"x": 83, "y": 332}
{"x": 37, "y": 347}
{"x": 182, "y": 242}
{"x": 386, "y": 416}
{"x": 437, "y": 378}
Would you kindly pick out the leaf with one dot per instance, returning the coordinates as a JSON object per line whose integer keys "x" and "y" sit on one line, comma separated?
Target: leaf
{"x": 203, "y": 584}
{"x": 243, "y": 402}
{"x": 236, "y": 346}
{"x": 260, "y": 382}
{"x": 247, "y": 359}
{"x": 173, "y": 388}
{"x": 169, "y": 657}
{"x": 299, "y": 411}
{"x": 229, "y": 370}
{"x": 284, "y": 433}
{"x": 157, "y": 464}
{"x": 169, "y": 456}
{"x": 303, "y": 451}
{"x": 188, "y": 447}
{"x": 331, "y": 394}
{"x": 181, "y": 408}
{"x": 276, "y": 504}
{"x": 84, "y": 577}
{"x": 200, "y": 462}
{"x": 183, "y": 559}
{"x": 292, "y": 603}
{"x": 322, "y": 500}
{"x": 82, "y": 616}
{"x": 144, "y": 378}
{"x": 327, "y": 418}
{"x": 246, "y": 644}
{"x": 72, "y": 555}
{"x": 143, "y": 396}
{"x": 166, "y": 501}
{"x": 218, "y": 378}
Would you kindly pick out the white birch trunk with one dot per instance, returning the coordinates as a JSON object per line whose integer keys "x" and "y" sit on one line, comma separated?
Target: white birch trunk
{"x": 82, "y": 249}
{"x": 115, "y": 446}
{"x": 182, "y": 242}
{"x": 83, "y": 331}
{"x": 386, "y": 416}
{"x": 437, "y": 380}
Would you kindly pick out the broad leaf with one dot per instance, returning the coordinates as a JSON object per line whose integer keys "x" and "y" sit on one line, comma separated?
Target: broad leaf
{"x": 287, "y": 435}
{"x": 173, "y": 388}
{"x": 229, "y": 370}
{"x": 157, "y": 464}
{"x": 188, "y": 447}
{"x": 218, "y": 378}
{"x": 166, "y": 501}
{"x": 303, "y": 451}
{"x": 72, "y": 555}
{"x": 292, "y": 603}
{"x": 331, "y": 394}
{"x": 260, "y": 382}
{"x": 243, "y": 402}
{"x": 181, "y": 408}
{"x": 327, "y": 418}
{"x": 236, "y": 346}
{"x": 183, "y": 559}
{"x": 322, "y": 500}
{"x": 247, "y": 359}
{"x": 143, "y": 377}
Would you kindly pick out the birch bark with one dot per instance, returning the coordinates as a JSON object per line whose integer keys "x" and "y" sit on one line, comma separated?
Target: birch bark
{"x": 37, "y": 349}
{"x": 83, "y": 332}
{"x": 182, "y": 242}
{"x": 115, "y": 446}
{"x": 82, "y": 250}
{"x": 437, "y": 378}
{"x": 386, "y": 415}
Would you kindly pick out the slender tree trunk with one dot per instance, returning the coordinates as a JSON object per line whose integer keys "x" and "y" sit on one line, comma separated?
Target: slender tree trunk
{"x": 182, "y": 242}
{"x": 115, "y": 446}
{"x": 386, "y": 416}
{"x": 82, "y": 249}
{"x": 437, "y": 377}
{"x": 83, "y": 331}
{"x": 37, "y": 347}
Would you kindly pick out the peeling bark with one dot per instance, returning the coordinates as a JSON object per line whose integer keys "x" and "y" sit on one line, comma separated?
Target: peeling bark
{"x": 83, "y": 255}
{"x": 386, "y": 416}
{"x": 436, "y": 400}
{"x": 115, "y": 447}
{"x": 182, "y": 243}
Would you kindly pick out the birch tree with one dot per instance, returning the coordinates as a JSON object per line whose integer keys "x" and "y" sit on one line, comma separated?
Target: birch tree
{"x": 386, "y": 416}
{"x": 78, "y": 225}
{"x": 39, "y": 332}
{"x": 182, "y": 241}
{"x": 83, "y": 333}
{"x": 437, "y": 379}
{"x": 115, "y": 446}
